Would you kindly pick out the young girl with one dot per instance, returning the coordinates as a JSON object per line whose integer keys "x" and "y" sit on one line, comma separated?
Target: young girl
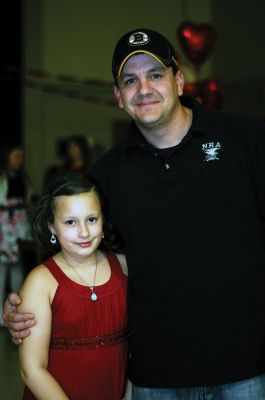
{"x": 78, "y": 348}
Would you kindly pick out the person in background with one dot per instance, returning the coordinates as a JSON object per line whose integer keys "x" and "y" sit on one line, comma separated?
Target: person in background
{"x": 14, "y": 217}
{"x": 74, "y": 153}
{"x": 78, "y": 350}
{"x": 186, "y": 191}
{"x": 77, "y": 154}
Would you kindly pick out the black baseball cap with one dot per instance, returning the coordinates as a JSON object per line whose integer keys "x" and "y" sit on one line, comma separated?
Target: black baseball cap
{"x": 143, "y": 41}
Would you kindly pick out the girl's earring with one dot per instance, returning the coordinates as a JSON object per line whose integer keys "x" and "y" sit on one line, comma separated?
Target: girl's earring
{"x": 103, "y": 236}
{"x": 53, "y": 239}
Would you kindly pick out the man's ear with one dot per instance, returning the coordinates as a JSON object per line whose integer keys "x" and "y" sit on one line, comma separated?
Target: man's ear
{"x": 180, "y": 82}
{"x": 117, "y": 94}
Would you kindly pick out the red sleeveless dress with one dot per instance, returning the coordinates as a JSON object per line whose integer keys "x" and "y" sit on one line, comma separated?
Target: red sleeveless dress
{"x": 88, "y": 350}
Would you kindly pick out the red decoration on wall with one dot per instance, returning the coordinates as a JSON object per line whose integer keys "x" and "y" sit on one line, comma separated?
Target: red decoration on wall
{"x": 197, "y": 41}
{"x": 209, "y": 92}
{"x": 212, "y": 93}
{"x": 192, "y": 89}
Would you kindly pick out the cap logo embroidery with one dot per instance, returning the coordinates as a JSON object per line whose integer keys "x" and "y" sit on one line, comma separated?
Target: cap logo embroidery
{"x": 211, "y": 151}
{"x": 138, "y": 38}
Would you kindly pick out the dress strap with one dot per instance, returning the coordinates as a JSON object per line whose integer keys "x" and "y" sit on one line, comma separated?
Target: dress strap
{"x": 55, "y": 270}
{"x": 114, "y": 263}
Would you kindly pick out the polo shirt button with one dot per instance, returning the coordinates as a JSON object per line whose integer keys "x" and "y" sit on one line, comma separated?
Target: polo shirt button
{"x": 167, "y": 166}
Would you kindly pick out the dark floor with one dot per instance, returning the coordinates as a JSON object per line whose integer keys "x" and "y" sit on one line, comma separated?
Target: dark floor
{"x": 11, "y": 385}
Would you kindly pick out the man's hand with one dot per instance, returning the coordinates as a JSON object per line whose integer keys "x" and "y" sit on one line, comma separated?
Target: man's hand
{"x": 17, "y": 323}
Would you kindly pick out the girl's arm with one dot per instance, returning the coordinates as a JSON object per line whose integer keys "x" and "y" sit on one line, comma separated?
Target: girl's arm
{"x": 37, "y": 293}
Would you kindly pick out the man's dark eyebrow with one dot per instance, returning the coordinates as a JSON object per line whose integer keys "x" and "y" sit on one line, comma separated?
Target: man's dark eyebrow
{"x": 157, "y": 69}
{"x": 124, "y": 76}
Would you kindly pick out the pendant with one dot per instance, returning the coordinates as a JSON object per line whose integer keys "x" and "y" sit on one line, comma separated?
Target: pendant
{"x": 93, "y": 296}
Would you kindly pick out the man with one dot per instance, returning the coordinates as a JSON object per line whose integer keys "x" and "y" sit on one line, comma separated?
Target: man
{"x": 186, "y": 190}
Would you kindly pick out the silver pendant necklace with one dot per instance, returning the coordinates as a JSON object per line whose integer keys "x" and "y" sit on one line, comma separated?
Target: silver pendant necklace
{"x": 93, "y": 295}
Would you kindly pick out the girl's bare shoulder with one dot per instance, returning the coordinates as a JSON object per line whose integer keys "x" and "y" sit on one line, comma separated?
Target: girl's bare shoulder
{"x": 39, "y": 276}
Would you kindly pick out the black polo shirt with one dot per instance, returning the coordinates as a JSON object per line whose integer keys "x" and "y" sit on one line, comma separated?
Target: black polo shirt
{"x": 192, "y": 218}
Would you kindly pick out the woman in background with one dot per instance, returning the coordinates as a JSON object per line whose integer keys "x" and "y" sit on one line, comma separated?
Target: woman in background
{"x": 14, "y": 218}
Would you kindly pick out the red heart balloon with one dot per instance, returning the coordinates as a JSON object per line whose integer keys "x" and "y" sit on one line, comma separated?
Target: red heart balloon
{"x": 197, "y": 41}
